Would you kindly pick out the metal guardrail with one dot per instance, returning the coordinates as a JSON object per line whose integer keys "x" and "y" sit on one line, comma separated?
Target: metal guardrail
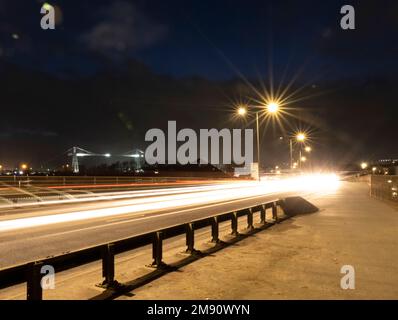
{"x": 48, "y": 181}
{"x": 15, "y": 190}
{"x": 31, "y": 272}
{"x": 384, "y": 187}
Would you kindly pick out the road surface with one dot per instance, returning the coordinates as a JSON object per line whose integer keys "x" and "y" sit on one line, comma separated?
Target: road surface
{"x": 38, "y": 232}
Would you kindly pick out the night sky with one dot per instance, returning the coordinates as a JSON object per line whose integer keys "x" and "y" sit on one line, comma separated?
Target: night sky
{"x": 111, "y": 70}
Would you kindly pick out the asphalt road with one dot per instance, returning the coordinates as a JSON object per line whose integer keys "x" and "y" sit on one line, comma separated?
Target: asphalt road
{"x": 38, "y": 238}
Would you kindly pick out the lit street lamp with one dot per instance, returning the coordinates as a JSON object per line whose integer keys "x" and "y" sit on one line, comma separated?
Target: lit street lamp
{"x": 242, "y": 111}
{"x": 271, "y": 108}
{"x": 301, "y": 137}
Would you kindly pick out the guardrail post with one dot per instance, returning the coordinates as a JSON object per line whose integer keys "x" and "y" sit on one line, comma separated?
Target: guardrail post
{"x": 190, "y": 238}
{"x": 234, "y": 223}
{"x": 108, "y": 265}
{"x": 157, "y": 250}
{"x": 214, "y": 230}
{"x": 275, "y": 212}
{"x": 250, "y": 219}
{"x": 262, "y": 214}
{"x": 34, "y": 289}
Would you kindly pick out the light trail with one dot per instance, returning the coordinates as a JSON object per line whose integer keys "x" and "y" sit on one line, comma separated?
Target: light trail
{"x": 192, "y": 197}
{"x": 104, "y": 196}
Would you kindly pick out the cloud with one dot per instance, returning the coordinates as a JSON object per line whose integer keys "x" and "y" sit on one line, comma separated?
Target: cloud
{"x": 122, "y": 29}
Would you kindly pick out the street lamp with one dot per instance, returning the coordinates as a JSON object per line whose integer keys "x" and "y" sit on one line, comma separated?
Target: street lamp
{"x": 242, "y": 111}
{"x": 301, "y": 137}
{"x": 271, "y": 108}
{"x": 308, "y": 149}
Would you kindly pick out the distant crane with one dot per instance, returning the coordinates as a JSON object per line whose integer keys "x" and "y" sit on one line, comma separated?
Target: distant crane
{"x": 76, "y": 152}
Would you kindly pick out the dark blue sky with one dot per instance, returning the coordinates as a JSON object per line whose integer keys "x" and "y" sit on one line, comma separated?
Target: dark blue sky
{"x": 185, "y": 38}
{"x": 113, "y": 69}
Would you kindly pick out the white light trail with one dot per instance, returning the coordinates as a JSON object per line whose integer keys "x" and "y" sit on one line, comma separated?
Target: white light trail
{"x": 191, "y": 197}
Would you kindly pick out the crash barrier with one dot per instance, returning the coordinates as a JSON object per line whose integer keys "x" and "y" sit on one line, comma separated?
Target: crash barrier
{"x": 70, "y": 181}
{"x": 15, "y": 190}
{"x": 31, "y": 272}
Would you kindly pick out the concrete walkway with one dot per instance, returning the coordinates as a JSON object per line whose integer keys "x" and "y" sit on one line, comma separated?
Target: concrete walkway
{"x": 300, "y": 258}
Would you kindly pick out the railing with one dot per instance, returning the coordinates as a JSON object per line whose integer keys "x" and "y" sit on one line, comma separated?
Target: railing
{"x": 31, "y": 272}
{"x": 15, "y": 190}
{"x": 384, "y": 187}
{"x": 48, "y": 181}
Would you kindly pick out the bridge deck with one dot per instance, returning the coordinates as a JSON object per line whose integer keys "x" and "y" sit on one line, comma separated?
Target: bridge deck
{"x": 300, "y": 258}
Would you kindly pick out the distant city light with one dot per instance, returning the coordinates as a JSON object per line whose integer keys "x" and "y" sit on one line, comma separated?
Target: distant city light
{"x": 308, "y": 149}
{"x": 107, "y": 155}
{"x": 24, "y": 166}
{"x": 364, "y": 165}
{"x": 303, "y": 159}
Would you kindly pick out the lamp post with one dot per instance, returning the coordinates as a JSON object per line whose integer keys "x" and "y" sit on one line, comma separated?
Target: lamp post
{"x": 300, "y": 137}
{"x": 271, "y": 108}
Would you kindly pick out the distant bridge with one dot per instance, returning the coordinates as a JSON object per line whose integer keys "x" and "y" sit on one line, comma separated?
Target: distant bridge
{"x": 77, "y": 152}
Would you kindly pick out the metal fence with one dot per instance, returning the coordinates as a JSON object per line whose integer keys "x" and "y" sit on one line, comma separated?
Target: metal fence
{"x": 31, "y": 272}
{"x": 384, "y": 187}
